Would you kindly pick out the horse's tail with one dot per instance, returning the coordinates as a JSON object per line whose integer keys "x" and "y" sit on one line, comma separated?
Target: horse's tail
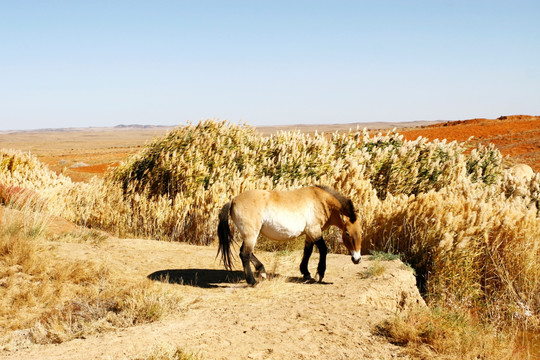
{"x": 224, "y": 234}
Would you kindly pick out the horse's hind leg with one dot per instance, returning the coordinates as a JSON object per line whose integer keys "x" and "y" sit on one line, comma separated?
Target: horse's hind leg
{"x": 259, "y": 267}
{"x": 323, "y": 250}
{"x": 246, "y": 252}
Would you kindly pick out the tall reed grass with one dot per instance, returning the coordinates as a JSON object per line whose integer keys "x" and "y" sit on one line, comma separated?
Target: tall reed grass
{"x": 469, "y": 228}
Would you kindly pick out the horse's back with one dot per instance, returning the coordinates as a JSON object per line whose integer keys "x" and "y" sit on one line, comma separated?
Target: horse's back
{"x": 288, "y": 198}
{"x": 251, "y": 199}
{"x": 248, "y": 205}
{"x": 277, "y": 214}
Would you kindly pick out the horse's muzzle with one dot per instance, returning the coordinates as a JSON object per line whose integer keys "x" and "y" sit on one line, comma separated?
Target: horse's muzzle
{"x": 356, "y": 257}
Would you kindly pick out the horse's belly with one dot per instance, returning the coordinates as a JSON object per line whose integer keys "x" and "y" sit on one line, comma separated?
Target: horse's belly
{"x": 283, "y": 227}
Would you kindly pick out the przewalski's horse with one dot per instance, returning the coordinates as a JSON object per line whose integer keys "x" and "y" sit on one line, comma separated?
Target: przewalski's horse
{"x": 284, "y": 215}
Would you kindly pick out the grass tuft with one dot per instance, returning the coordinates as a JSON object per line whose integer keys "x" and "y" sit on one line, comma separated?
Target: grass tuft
{"x": 163, "y": 352}
{"x": 373, "y": 270}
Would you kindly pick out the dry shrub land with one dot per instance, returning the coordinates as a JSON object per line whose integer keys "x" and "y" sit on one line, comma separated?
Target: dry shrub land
{"x": 470, "y": 230}
{"x": 46, "y": 298}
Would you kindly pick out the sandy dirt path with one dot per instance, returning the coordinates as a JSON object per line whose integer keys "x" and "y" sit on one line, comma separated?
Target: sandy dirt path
{"x": 222, "y": 318}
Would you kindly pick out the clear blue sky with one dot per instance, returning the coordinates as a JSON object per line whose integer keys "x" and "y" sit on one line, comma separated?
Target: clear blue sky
{"x": 104, "y": 63}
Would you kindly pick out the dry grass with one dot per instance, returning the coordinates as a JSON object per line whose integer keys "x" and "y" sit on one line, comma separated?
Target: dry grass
{"x": 469, "y": 229}
{"x": 437, "y": 333}
{"x": 376, "y": 269}
{"x": 164, "y": 352}
{"x": 469, "y": 252}
{"x": 441, "y": 334}
{"x": 45, "y": 298}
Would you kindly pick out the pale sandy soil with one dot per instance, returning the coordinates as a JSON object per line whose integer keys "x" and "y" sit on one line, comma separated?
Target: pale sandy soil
{"x": 222, "y": 318}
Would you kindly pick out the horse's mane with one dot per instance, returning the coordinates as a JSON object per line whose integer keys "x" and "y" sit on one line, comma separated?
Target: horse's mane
{"x": 347, "y": 206}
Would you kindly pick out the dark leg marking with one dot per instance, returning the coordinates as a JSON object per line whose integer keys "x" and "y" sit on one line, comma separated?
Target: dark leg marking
{"x": 246, "y": 257}
{"x": 308, "y": 249}
{"x": 323, "y": 250}
{"x": 259, "y": 267}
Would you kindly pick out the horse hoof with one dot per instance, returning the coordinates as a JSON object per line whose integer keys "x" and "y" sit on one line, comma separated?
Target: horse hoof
{"x": 319, "y": 278}
{"x": 309, "y": 280}
{"x": 263, "y": 275}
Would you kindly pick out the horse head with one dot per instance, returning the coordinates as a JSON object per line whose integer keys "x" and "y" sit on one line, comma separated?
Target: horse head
{"x": 352, "y": 238}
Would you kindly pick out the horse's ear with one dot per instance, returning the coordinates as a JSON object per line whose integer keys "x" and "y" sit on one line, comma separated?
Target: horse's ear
{"x": 345, "y": 218}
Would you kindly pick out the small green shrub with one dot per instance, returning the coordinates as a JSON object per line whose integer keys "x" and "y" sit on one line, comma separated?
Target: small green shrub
{"x": 383, "y": 256}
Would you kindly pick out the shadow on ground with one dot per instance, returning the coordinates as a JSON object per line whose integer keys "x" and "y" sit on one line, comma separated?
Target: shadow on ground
{"x": 212, "y": 278}
{"x": 204, "y": 278}
{"x": 301, "y": 280}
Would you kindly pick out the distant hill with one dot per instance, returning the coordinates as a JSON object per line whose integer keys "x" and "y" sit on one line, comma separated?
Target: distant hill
{"x": 137, "y": 126}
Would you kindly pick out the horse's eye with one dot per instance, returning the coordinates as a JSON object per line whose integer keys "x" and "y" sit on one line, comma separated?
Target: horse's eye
{"x": 347, "y": 233}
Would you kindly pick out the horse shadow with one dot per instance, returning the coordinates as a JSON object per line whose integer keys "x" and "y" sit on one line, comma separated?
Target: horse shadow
{"x": 203, "y": 278}
{"x": 212, "y": 278}
{"x": 301, "y": 280}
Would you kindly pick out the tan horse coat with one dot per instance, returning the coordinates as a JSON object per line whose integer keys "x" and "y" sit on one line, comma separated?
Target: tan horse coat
{"x": 284, "y": 215}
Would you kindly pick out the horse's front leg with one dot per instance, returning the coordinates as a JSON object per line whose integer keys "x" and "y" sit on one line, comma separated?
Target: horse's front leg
{"x": 308, "y": 249}
{"x": 323, "y": 250}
